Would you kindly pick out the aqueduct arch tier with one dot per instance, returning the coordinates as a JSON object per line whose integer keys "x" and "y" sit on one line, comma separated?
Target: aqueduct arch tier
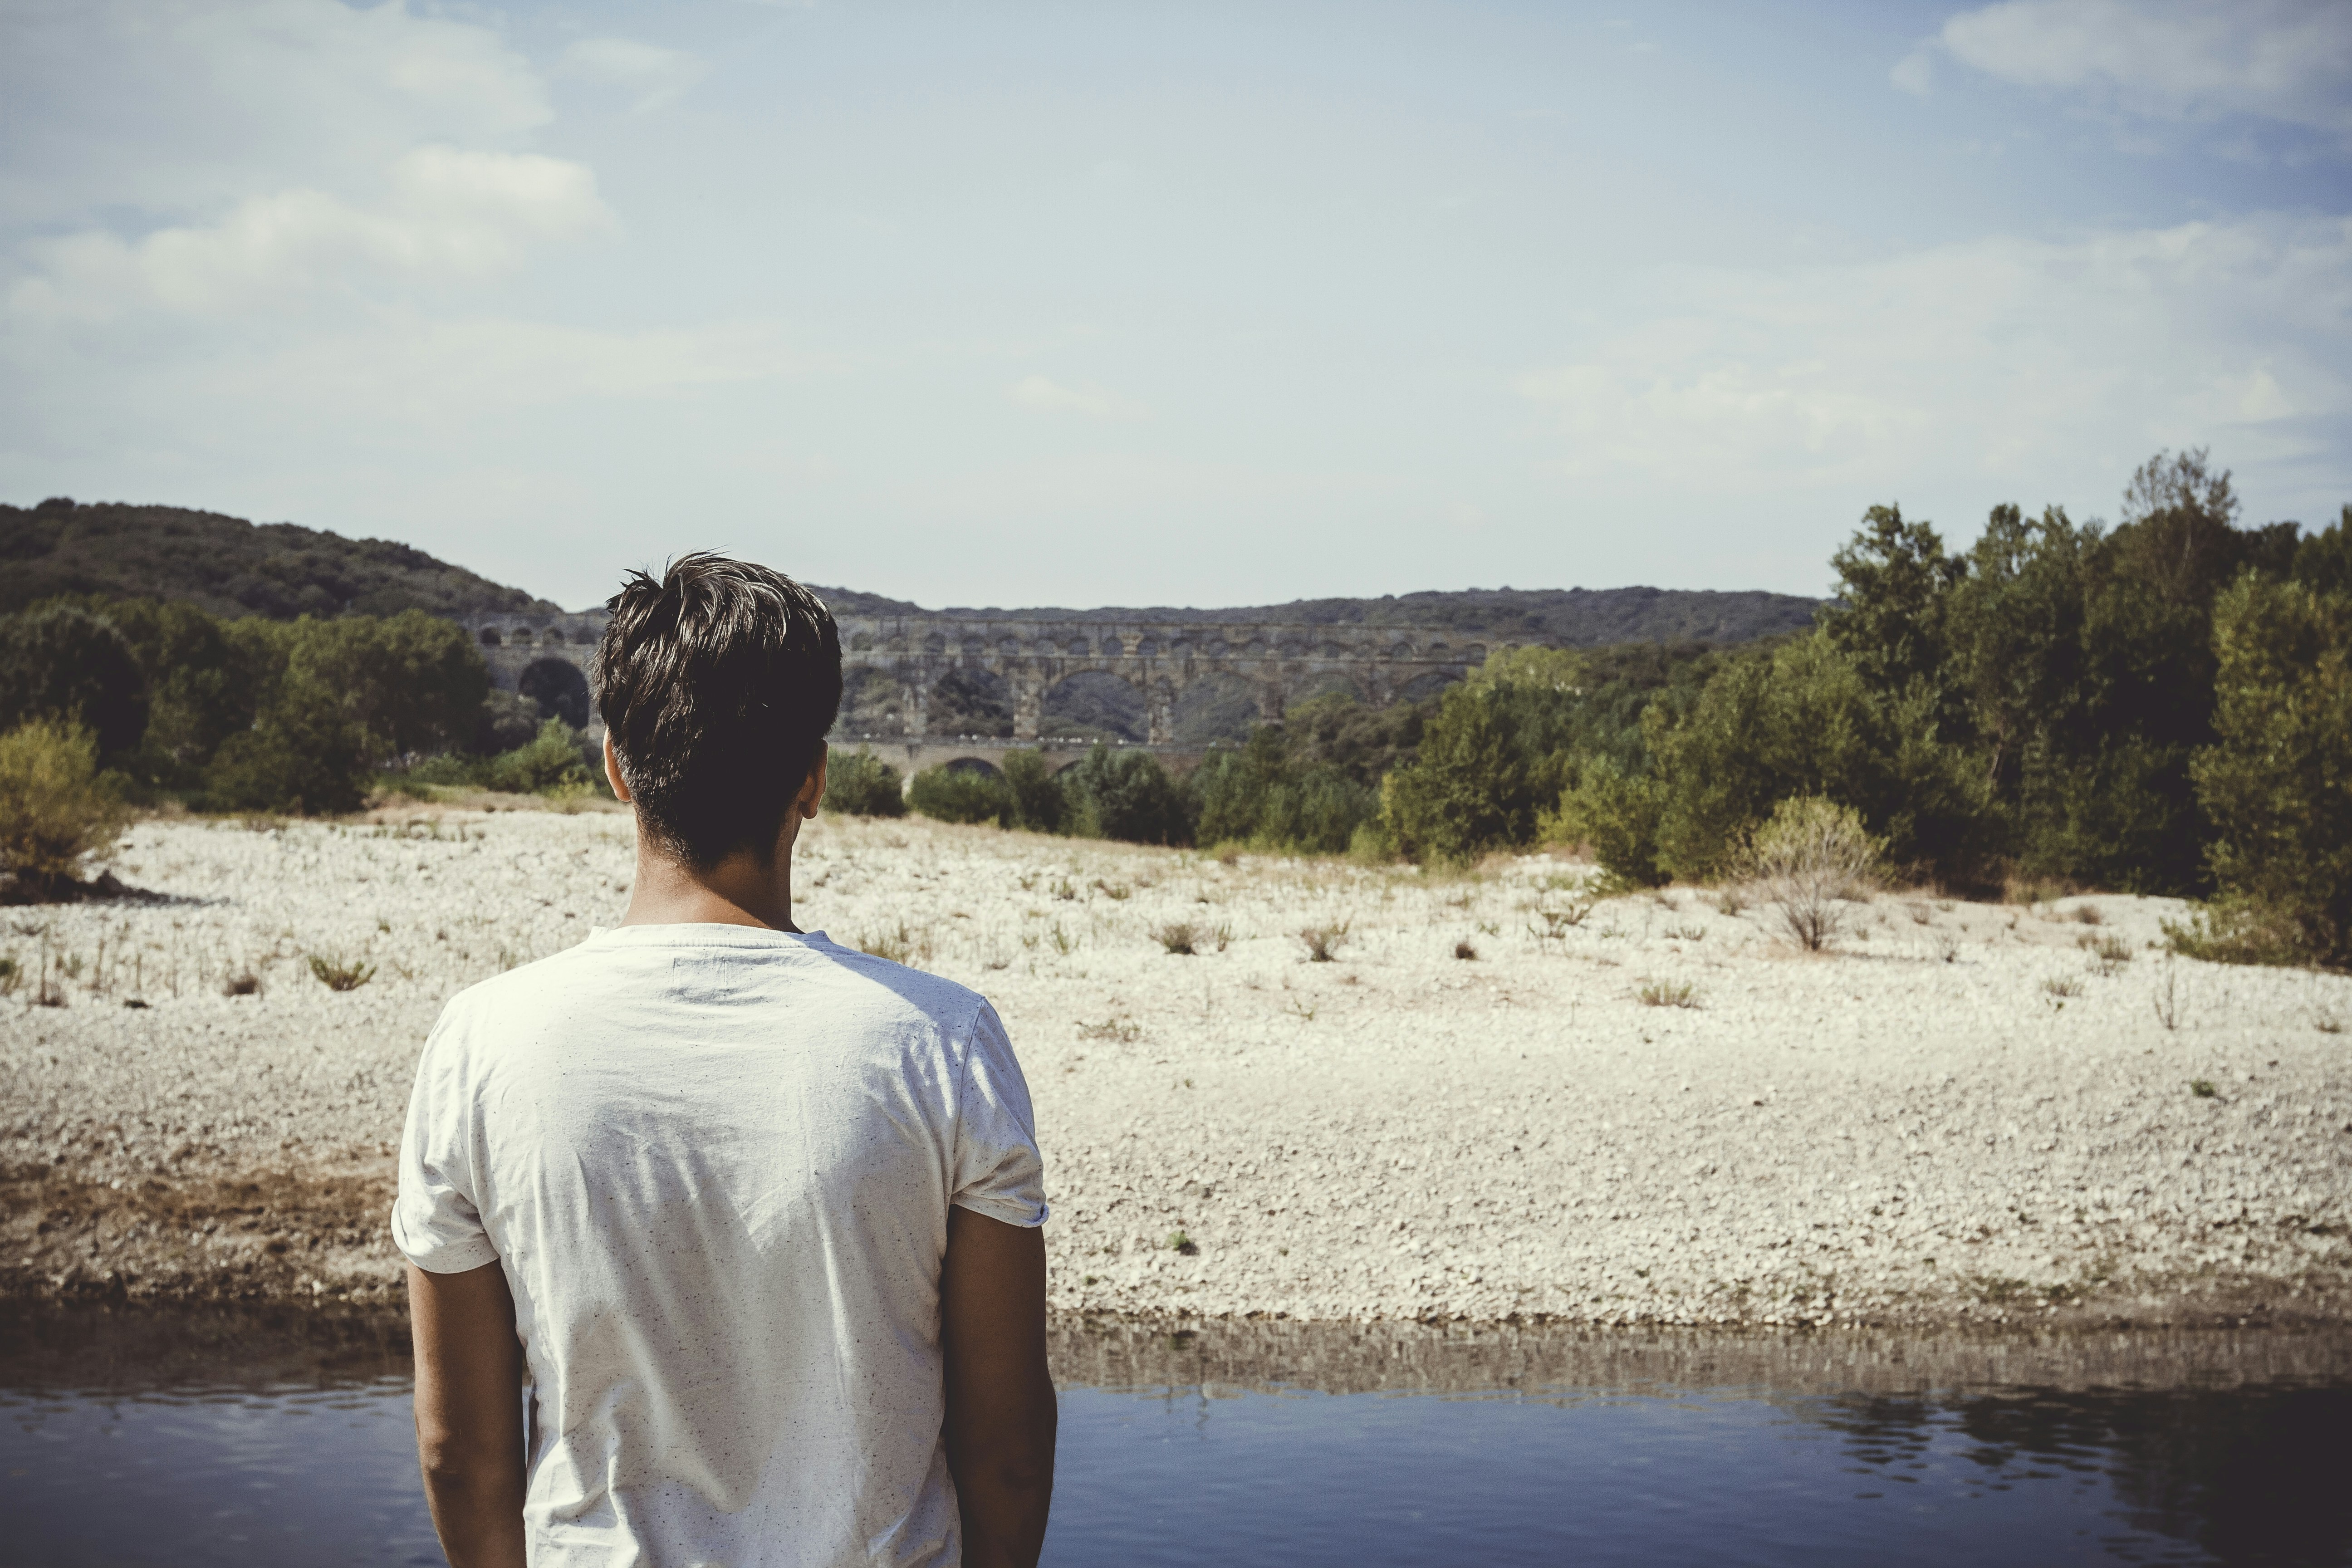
{"x": 1159, "y": 659}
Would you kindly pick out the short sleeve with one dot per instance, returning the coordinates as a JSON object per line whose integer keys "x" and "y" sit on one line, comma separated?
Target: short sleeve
{"x": 998, "y": 1171}
{"x": 435, "y": 1222}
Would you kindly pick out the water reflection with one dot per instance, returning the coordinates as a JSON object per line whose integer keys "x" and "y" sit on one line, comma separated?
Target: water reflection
{"x": 269, "y": 1437}
{"x": 2245, "y": 1475}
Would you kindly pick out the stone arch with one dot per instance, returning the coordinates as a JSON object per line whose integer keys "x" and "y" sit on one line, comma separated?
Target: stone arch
{"x": 490, "y": 638}
{"x": 588, "y": 633}
{"x": 1326, "y": 683}
{"x": 981, "y": 765}
{"x": 1216, "y": 705}
{"x": 1428, "y": 683}
{"x": 861, "y": 642}
{"x": 871, "y": 702}
{"x": 1094, "y": 705}
{"x": 559, "y": 688}
{"x": 971, "y": 699}
{"x": 936, "y": 644}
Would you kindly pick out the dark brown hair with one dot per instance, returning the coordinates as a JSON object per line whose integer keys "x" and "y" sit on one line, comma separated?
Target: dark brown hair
{"x": 718, "y": 685}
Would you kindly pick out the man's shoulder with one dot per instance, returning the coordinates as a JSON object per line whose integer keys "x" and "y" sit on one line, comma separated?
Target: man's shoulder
{"x": 822, "y": 970}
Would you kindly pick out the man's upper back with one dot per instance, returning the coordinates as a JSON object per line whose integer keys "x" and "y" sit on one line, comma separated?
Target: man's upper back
{"x": 716, "y": 1163}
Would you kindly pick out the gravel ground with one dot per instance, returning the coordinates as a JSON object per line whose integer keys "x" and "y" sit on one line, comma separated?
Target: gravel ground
{"x": 1964, "y": 1112}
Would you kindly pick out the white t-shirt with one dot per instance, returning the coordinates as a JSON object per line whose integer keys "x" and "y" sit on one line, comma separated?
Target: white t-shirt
{"x": 715, "y": 1163}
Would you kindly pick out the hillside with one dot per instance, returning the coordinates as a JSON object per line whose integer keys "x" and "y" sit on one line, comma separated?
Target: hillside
{"x": 227, "y": 565}
{"x": 1574, "y": 617}
{"x": 230, "y": 566}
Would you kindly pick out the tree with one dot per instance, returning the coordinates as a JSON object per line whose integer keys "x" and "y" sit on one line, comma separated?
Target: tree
{"x": 2277, "y": 781}
{"x": 1889, "y": 616}
{"x": 57, "y": 810}
{"x": 61, "y": 662}
{"x": 1128, "y": 795}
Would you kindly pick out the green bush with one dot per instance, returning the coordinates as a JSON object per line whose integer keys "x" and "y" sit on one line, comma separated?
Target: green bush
{"x": 961, "y": 794}
{"x": 1491, "y": 762}
{"x": 303, "y": 754}
{"x": 551, "y": 761}
{"x": 2277, "y": 782}
{"x": 1039, "y": 803}
{"x": 1128, "y": 795}
{"x": 1614, "y": 815}
{"x": 859, "y": 783}
{"x": 63, "y": 663}
{"x": 57, "y": 810}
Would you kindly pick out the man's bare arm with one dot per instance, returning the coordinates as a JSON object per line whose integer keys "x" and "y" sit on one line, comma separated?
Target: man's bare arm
{"x": 1001, "y": 1409}
{"x": 469, "y": 1413}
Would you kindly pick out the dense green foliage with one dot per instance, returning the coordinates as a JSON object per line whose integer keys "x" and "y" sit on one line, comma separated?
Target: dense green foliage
{"x": 961, "y": 794}
{"x": 252, "y": 714}
{"x": 2277, "y": 782}
{"x": 2159, "y": 708}
{"x": 859, "y": 783}
{"x": 227, "y": 566}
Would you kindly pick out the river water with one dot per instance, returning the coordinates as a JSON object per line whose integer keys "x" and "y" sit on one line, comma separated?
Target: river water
{"x": 265, "y": 1438}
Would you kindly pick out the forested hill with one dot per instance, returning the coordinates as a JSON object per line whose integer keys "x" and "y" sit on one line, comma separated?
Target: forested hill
{"x": 228, "y": 566}
{"x": 1576, "y": 617}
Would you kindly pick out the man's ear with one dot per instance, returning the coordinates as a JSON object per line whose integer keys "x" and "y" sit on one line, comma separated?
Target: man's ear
{"x": 813, "y": 791}
{"x": 613, "y": 770}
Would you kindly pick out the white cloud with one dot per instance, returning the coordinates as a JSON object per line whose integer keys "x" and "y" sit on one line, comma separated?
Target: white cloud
{"x": 1085, "y": 397}
{"x": 177, "y": 107}
{"x": 655, "y": 74}
{"x": 2288, "y": 61}
{"x": 448, "y": 216}
{"x": 1915, "y": 73}
{"x": 2006, "y": 361}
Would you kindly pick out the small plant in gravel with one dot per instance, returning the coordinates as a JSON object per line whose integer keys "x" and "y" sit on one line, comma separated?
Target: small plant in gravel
{"x": 1920, "y": 913}
{"x": 2167, "y": 997}
{"x": 2063, "y": 988}
{"x": 1463, "y": 950}
{"x": 1947, "y": 946}
{"x": 2086, "y": 915}
{"x": 2109, "y": 952}
{"x": 1178, "y": 1242}
{"x": 241, "y": 983}
{"x": 1668, "y": 993}
{"x": 1687, "y": 932}
{"x": 1178, "y": 937}
{"x": 1124, "y": 1030}
{"x": 1064, "y": 943}
{"x": 1812, "y": 855}
{"x": 1323, "y": 942}
{"x": 1729, "y": 903}
{"x": 2202, "y": 1087}
{"x": 1222, "y": 937}
{"x": 1064, "y": 889}
{"x": 1119, "y": 891}
{"x": 901, "y": 944}
{"x": 336, "y": 975}
{"x": 2329, "y": 1023}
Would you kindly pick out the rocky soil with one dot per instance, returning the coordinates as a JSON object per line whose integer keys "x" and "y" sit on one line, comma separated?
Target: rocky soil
{"x": 1648, "y": 1109}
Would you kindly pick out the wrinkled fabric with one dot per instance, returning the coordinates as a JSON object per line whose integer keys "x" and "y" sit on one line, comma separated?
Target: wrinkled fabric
{"x": 715, "y": 1164}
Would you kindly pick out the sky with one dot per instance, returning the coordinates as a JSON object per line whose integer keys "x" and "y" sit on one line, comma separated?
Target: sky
{"x": 1213, "y": 304}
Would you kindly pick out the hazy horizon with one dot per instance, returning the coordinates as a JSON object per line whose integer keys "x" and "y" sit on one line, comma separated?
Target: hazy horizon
{"x": 1024, "y": 306}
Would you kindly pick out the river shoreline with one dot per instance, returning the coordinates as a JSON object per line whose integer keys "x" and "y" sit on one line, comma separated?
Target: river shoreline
{"x": 1966, "y": 1115}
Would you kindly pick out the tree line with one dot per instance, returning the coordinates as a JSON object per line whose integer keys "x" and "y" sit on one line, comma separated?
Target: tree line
{"x": 2161, "y": 706}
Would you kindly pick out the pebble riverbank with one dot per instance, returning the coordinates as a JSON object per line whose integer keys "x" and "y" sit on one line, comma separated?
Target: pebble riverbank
{"x": 1644, "y": 1109}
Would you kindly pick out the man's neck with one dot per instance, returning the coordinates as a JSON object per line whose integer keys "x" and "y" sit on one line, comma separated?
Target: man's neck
{"x": 738, "y": 891}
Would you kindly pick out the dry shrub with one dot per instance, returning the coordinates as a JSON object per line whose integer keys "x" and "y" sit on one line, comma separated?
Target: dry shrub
{"x": 1323, "y": 942}
{"x": 1179, "y": 937}
{"x": 1807, "y": 860}
{"x": 57, "y": 811}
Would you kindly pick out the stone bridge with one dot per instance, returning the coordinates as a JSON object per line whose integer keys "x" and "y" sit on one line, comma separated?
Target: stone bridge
{"x": 945, "y": 688}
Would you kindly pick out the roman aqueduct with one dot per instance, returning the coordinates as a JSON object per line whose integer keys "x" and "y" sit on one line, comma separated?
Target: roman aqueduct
{"x": 923, "y": 687}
